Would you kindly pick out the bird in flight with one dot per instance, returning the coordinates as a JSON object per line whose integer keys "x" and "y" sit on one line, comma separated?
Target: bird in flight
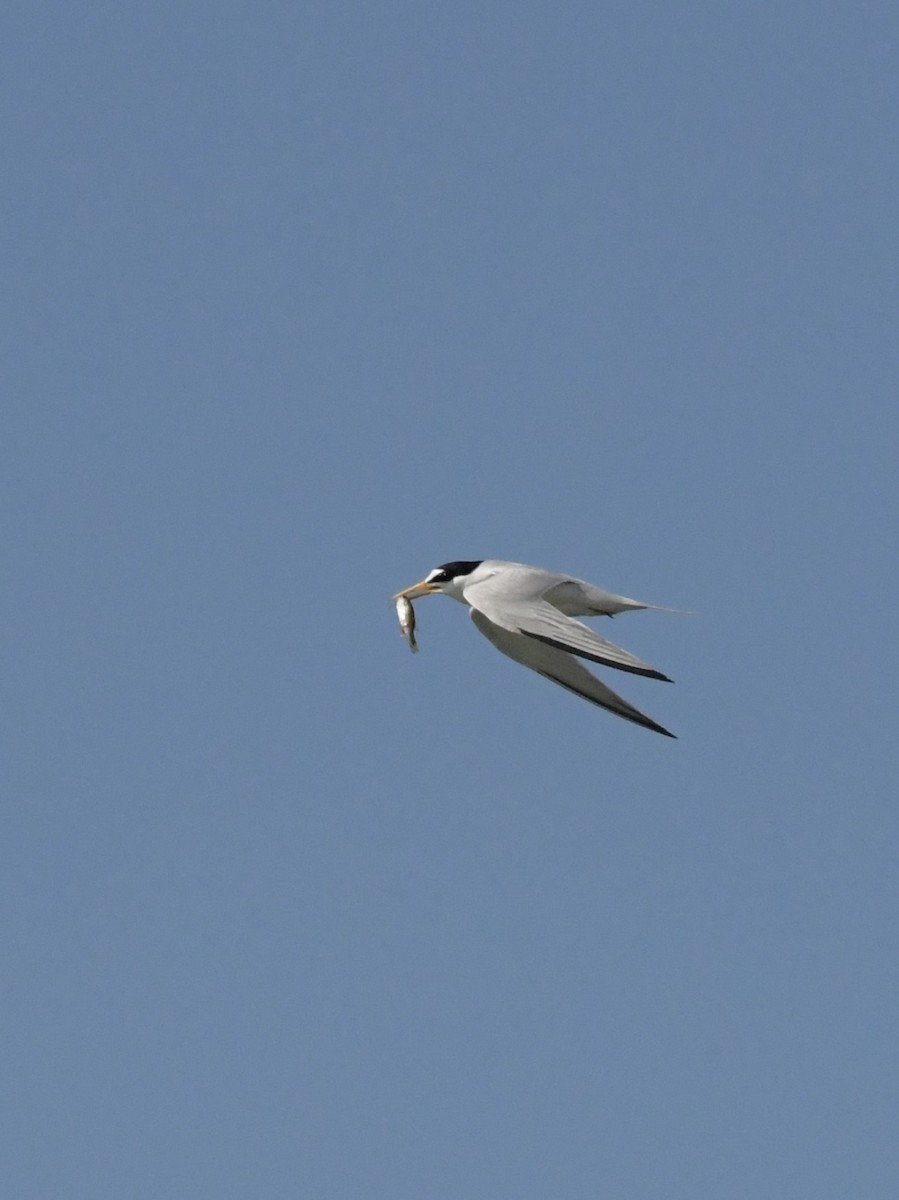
{"x": 527, "y": 613}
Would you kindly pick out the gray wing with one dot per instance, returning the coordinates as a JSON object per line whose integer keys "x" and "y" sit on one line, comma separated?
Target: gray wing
{"x": 574, "y": 597}
{"x": 543, "y": 622}
{"x": 563, "y": 669}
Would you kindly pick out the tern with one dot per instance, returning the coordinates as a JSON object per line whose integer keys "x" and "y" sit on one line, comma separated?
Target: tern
{"x": 526, "y": 612}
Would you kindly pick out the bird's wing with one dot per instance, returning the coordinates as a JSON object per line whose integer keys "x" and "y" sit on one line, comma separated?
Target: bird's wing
{"x": 561, "y": 668}
{"x": 537, "y": 619}
{"x": 576, "y": 598}
{"x": 571, "y": 596}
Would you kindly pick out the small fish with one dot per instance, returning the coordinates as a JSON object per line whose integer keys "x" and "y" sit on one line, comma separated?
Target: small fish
{"x": 406, "y": 614}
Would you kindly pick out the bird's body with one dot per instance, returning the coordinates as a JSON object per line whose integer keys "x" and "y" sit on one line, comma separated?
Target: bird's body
{"x": 527, "y": 613}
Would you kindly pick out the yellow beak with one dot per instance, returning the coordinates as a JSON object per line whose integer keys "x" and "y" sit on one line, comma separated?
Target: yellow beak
{"x": 418, "y": 589}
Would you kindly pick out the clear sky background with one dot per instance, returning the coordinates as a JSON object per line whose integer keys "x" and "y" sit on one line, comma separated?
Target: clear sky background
{"x": 299, "y": 301}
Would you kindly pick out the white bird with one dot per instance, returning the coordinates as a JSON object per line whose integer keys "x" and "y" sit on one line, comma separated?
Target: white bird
{"x": 527, "y": 613}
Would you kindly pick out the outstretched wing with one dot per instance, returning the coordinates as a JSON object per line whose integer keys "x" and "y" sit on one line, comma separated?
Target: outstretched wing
{"x": 577, "y": 598}
{"x": 562, "y": 668}
{"x": 543, "y": 622}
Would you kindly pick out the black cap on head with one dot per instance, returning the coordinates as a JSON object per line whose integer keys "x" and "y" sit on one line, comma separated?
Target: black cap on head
{"x": 450, "y": 570}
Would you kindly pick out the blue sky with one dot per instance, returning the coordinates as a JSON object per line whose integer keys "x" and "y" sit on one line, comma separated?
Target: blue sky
{"x": 300, "y": 301}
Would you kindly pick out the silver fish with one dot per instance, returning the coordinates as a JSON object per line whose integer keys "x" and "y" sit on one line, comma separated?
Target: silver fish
{"x": 406, "y": 614}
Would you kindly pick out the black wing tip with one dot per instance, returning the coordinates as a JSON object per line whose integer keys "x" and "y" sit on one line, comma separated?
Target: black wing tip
{"x": 649, "y": 723}
{"x": 646, "y": 672}
{"x": 635, "y": 717}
